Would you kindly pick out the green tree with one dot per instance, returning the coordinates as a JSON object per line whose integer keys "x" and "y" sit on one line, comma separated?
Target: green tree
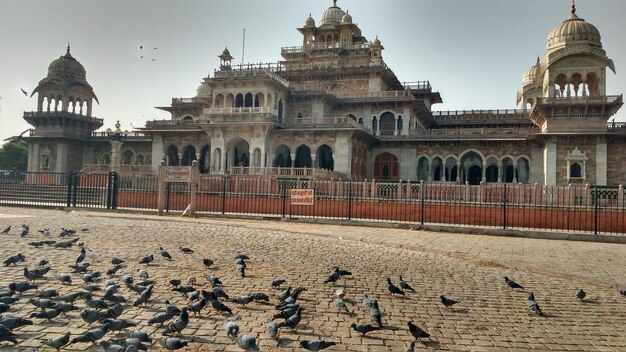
{"x": 14, "y": 156}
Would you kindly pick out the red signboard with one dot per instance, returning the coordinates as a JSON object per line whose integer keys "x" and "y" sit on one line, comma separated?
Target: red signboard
{"x": 302, "y": 196}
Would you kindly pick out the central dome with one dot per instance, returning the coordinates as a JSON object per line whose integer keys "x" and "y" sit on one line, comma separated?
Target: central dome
{"x": 66, "y": 65}
{"x": 332, "y": 15}
{"x": 573, "y": 30}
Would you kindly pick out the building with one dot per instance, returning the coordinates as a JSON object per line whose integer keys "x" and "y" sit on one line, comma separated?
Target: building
{"x": 332, "y": 108}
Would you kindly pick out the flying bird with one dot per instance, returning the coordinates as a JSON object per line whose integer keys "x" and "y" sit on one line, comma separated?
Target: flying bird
{"x": 23, "y": 91}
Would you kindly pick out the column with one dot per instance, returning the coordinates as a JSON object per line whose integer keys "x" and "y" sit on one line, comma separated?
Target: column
{"x": 484, "y": 172}
{"x": 500, "y": 170}
{"x": 601, "y": 163}
{"x": 549, "y": 163}
{"x": 116, "y": 159}
{"x": 430, "y": 170}
{"x": 458, "y": 173}
{"x": 180, "y": 159}
{"x": 515, "y": 172}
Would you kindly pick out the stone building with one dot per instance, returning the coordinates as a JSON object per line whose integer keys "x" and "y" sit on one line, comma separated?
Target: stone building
{"x": 332, "y": 108}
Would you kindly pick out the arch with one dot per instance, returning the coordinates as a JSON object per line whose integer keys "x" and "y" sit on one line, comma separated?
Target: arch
{"x": 282, "y": 156}
{"x": 248, "y": 100}
{"x": 240, "y": 151}
{"x": 280, "y": 109}
{"x": 560, "y": 83}
{"x": 187, "y": 119}
{"x": 576, "y": 80}
{"x": 205, "y": 159}
{"x": 451, "y": 169}
{"x": 508, "y": 169}
{"x": 217, "y": 159}
{"x": 360, "y": 121}
{"x": 230, "y": 101}
{"x": 592, "y": 84}
{"x": 523, "y": 170}
{"x": 128, "y": 157}
{"x": 148, "y": 159}
{"x": 437, "y": 169}
{"x": 399, "y": 123}
{"x": 472, "y": 167}
{"x": 386, "y": 167}
{"x": 387, "y": 124}
{"x": 575, "y": 170}
{"x": 219, "y": 100}
{"x": 303, "y": 156}
{"x": 139, "y": 159}
{"x": 374, "y": 123}
{"x": 189, "y": 155}
{"x": 259, "y": 100}
{"x": 172, "y": 155}
{"x": 352, "y": 117}
{"x": 324, "y": 157}
{"x": 239, "y": 100}
{"x": 491, "y": 173}
{"x": 423, "y": 165}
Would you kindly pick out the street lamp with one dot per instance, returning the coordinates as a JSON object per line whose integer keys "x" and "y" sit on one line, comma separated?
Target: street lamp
{"x": 117, "y": 136}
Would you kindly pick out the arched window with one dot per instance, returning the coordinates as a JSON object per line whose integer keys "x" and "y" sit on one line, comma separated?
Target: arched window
{"x": 386, "y": 167}
{"x": 399, "y": 124}
{"x": 575, "y": 170}
{"x": 189, "y": 155}
{"x": 172, "y": 156}
{"x": 239, "y": 100}
{"x": 387, "y": 124}
{"x": 249, "y": 100}
{"x": 374, "y": 123}
{"x": 324, "y": 158}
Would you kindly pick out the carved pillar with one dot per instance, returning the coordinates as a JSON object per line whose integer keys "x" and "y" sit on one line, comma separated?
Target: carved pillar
{"x": 116, "y": 159}
{"x": 458, "y": 173}
{"x": 515, "y": 171}
{"x": 484, "y": 172}
{"x": 500, "y": 166}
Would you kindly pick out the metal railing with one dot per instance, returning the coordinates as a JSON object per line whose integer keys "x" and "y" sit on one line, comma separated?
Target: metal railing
{"x": 572, "y": 209}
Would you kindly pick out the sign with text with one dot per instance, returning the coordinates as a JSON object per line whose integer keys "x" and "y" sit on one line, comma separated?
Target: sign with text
{"x": 302, "y": 196}
{"x": 178, "y": 174}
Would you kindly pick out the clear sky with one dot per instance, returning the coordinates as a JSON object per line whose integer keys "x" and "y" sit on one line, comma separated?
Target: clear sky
{"x": 473, "y": 52}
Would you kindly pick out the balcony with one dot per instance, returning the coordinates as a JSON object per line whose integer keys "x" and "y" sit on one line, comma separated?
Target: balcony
{"x": 589, "y": 100}
{"x": 29, "y": 115}
{"x": 335, "y": 122}
{"x": 241, "y": 111}
{"x": 481, "y": 133}
{"x": 289, "y": 172}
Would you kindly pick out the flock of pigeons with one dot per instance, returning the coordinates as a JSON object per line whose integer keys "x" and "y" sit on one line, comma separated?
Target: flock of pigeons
{"x": 104, "y": 304}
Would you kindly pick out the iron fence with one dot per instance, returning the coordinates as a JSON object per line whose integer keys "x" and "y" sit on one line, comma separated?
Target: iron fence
{"x": 580, "y": 208}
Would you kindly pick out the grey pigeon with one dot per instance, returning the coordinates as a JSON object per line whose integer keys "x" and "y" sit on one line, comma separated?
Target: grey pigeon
{"x": 411, "y": 347}
{"x": 623, "y": 292}
{"x": 447, "y": 302}
{"x": 341, "y": 304}
{"x": 214, "y": 280}
{"x": 512, "y": 284}
{"x": 147, "y": 259}
{"x": 293, "y": 320}
{"x": 92, "y": 335}
{"x": 581, "y": 294}
{"x": 7, "y": 335}
{"x": 23, "y": 230}
{"x": 58, "y": 341}
{"x": 64, "y": 278}
{"x": 48, "y": 314}
{"x": 247, "y": 343}
{"x": 81, "y": 256}
{"x": 393, "y": 288}
{"x": 173, "y": 343}
{"x": 90, "y": 316}
{"x": 186, "y": 250}
{"x": 375, "y": 313}
{"x": 405, "y": 285}
{"x": 141, "y": 336}
{"x": 8, "y": 300}
{"x": 259, "y": 296}
{"x": 144, "y": 297}
{"x": 70, "y": 297}
{"x": 42, "y": 263}
{"x": 12, "y": 322}
{"x": 160, "y": 318}
{"x": 165, "y": 254}
{"x": 131, "y": 342}
{"x": 22, "y": 286}
{"x": 417, "y": 332}
{"x": 180, "y": 323}
{"x": 119, "y": 324}
{"x": 198, "y": 306}
{"x": 115, "y": 311}
{"x": 242, "y": 270}
{"x": 111, "y": 347}
{"x": 277, "y": 282}
{"x": 272, "y": 329}
{"x": 4, "y": 307}
{"x": 316, "y": 345}
{"x": 232, "y": 329}
{"x": 207, "y": 262}
{"x": 533, "y": 305}
{"x": 333, "y": 277}
{"x": 42, "y": 303}
{"x": 366, "y": 301}
{"x": 116, "y": 261}
{"x": 48, "y": 292}
{"x": 363, "y": 328}
{"x": 243, "y": 300}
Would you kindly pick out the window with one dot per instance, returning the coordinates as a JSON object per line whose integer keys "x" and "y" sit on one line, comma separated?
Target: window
{"x": 45, "y": 161}
{"x": 575, "y": 170}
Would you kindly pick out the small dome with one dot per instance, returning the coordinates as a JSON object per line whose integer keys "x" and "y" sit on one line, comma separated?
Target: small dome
{"x": 310, "y": 22}
{"x": 573, "y": 29}
{"x": 332, "y": 15}
{"x": 226, "y": 52}
{"x": 67, "y": 65}
{"x": 203, "y": 91}
{"x": 376, "y": 41}
{"x": 531, "y": 75}
{"x": 346, "y": 19}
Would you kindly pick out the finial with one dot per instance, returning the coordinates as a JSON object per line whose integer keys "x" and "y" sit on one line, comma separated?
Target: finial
{"x": 537, "y": 60}
{"x": 335, "y": 3}
{"x": 573, "y": 8}
{"x": 68, "y": 47}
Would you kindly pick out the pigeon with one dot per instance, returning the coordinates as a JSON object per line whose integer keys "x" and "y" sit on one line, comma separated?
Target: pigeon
{"x": 42, "y": 303}
{"x": 217, "y": 305}
{"x": 232, "y": 329}
{"x": 160, "y": 318}
{"x": 243, "y": 300}
{"x": 45, "y": 232}
{"x": 333, "y": 277}
{"x": 207, "y": 262}
{"x": 23, "y": 230}
{"x": 36, "y": 244}
{"x": 340, "y": 293}
{"x": 214, "y": 280}
{"x": 141, "y": 336}
{"x": 341, "y": 305}
{"x": 512, "y": 284}
{"x": 447, "y": 302}
{"x": 247, "y": 343}
{"x": 366, "y": 301}
{"x": 90, "y": 316}
{"x": 66, "y": 307}
{"x": 186, "y": 250}
{"x": 131, "y": 344}
{"x": 241, "y": 269}
{"x": 375, "y": 313}
{"x": 404, "y": 285}
{"x": 258, "y": 296}
{"x": 533, "y": 305}
{"x": 282, "y": 296}
{"x": 12, "y": 322}
{"x": 143, "y": 274}
{"x": 144, "y": 297}
{"x": 111, "y": 347}
{"x": 342, "y": 272}
{"x": 272, "y": 329}
{"x": 293, "y": 320}
{"x": 80, "y": 267}
{"x": 14, "y": 259}
{"x": 147, "y": 259}
{"x": 8, "y": 300}
{"x": 417, "y": 332}
{"x": 623, "y": 292}
{"x": 58, "y": 341}
{"x": 6, "y": 230}
{"x": 171, "y": 308}
{"x": 81, "y": 256}
{"x": 119, "y": 324}
{"x": 411, "y": 347}
{"x": 175, "y": 282}
{"x": 92, "y": 335}
{"x": 363, "y": 328}
{"x": 198, "y": 306}
{"x": 315, "y": 345}
{"x": 393, "y": 288}
{"x": 165, "y": 254}
{"x": 114, "y": 312}
{"x": 128, "y": 279}
{"x": 173, "y": 343}
{"x": 48, "y": 292}
{"x": 179, "y": 324}
{"x": 116, "y": 261}
{"x": 70, "y": 297}
{"x": 277, "y": 282}
{"x": 47, "y": 314}
{"x": 64, "y": 278}
{"x": 4, "y": 307}
{"x": 22, "y": 286}
{"x": 581, "y": 294}
{"x": 113, "y": 270}
{"x": 7, "y": 335}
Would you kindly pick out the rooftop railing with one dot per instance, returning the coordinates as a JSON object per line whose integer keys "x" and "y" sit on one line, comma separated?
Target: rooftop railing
{"x": 29, "y": 114}
{"x": 609, "y": 99}
{"x": 467, "y": 133}
{"x": 323, "y": 47}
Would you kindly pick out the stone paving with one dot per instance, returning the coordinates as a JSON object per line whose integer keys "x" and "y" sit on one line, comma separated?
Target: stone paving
{"x": 469, "y": 268}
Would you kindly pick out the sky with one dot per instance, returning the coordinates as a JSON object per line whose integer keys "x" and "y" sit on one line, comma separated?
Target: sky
{"x": 474, "y": 52}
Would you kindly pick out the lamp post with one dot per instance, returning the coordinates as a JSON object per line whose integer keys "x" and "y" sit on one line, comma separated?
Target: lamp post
{"x": 117, "y": 136}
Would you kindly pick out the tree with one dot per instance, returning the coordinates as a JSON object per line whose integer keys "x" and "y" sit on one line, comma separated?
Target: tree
{"x": 14, "y": 156}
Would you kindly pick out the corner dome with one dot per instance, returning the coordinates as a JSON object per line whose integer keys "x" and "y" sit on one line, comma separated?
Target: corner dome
{"x": 332, "y": 15}
{"x": 530, "y": 76}
{"x": 310, "y": 22}
{"x": 203, "y": 91}
{"x": 346, "y": 19}
{"x": 573, "y": 30}
{"x": 67, "y": 65}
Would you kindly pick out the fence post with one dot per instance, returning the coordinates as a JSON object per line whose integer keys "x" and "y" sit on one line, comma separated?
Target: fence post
{"x": 350, "y": 200}
{"x": 504, "y": 208}
{"x": 595, "y": 207}
{"x": 422, "y": 207}
{"x": 620, "y": 196}
{"x": 75, "y": 188}
{"x": 116, "y": 186}
{"x": 162, "y": 184}
{"x": 194, "y": 188}
{"x": 70, "y": 179}
{"x": 284, "y": 197}
{"x": 224, "y": 195}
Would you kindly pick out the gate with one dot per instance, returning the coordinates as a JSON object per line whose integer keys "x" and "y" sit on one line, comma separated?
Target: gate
{"x": 92, "y": 190}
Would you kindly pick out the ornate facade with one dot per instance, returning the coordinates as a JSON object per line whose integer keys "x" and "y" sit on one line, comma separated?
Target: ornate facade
{"x": 332, "y": 105}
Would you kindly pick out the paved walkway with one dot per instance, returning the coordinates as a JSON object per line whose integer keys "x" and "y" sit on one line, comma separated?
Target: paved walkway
{"x": 465, "y": 267}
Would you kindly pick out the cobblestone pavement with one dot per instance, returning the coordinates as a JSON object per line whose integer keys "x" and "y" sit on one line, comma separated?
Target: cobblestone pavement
{"x": 469, "y": 268}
